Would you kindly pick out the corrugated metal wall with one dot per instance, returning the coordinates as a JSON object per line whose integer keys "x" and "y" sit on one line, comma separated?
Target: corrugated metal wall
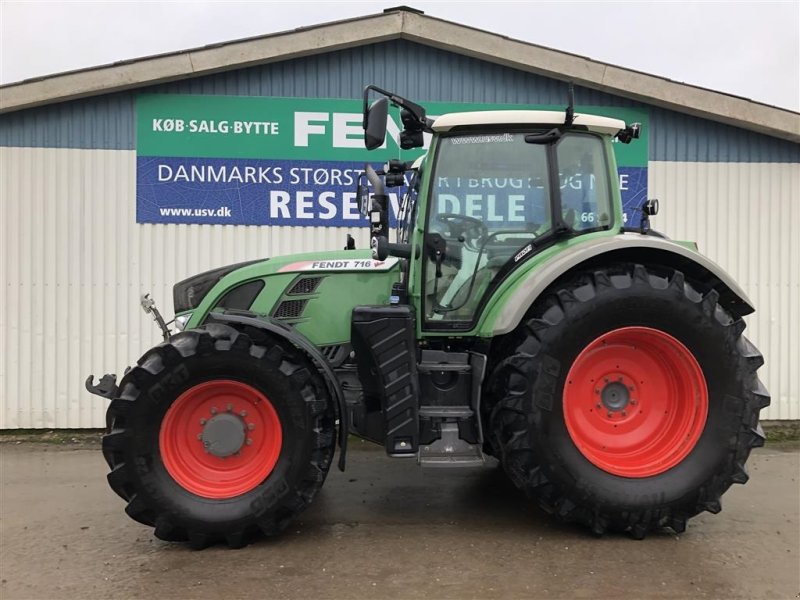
{"x": 744, "y": 217}
{"x": 73, "y": 261}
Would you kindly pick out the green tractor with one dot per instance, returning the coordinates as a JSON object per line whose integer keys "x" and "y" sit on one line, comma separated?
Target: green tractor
{"x": 515, "y": 315}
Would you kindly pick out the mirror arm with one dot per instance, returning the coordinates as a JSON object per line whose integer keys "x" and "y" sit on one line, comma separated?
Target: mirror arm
{"x": 417, "y": 110}
{"x": 374, "y": 179}
{"x": 382, "y": 249}
{"x": 379, "y": 207}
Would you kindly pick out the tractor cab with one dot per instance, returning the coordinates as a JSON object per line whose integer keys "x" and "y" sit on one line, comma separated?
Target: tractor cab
{"x": 494, "y": 189}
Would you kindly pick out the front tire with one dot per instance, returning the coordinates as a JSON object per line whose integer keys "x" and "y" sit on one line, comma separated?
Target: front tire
{"x": 215, "y": 437}
{"x": 627, "y": 400}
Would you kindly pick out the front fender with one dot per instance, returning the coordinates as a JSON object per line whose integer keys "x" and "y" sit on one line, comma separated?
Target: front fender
{"x": 514, "y": 299}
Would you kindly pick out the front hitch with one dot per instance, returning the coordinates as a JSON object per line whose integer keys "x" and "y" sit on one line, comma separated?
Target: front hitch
{"x": 105, "y": 388}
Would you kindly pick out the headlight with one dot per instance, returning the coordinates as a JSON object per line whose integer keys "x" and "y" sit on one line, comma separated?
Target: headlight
{"x": 181, "y": 320}
{"x": 189, "y": 293}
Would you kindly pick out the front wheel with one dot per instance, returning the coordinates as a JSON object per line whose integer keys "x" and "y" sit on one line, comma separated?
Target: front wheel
{"x": 215, "y": 437}
{"x": 627, "y": 400}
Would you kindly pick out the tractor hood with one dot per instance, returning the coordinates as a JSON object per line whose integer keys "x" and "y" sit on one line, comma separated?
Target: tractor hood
{"x": 314, "y": 292}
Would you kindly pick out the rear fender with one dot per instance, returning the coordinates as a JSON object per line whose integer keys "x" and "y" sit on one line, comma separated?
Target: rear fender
{"x": 241, "y": 319}
{"x": 514, "y": 303}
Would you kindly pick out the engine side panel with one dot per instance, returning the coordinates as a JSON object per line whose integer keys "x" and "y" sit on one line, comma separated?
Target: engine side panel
{"x": 324, "y": 316}
{"x": 314, "y": 293}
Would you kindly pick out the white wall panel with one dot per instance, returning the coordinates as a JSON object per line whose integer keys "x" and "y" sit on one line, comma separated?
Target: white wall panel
{"x": 745, "y": 216}
{"x": 73, "y": 263}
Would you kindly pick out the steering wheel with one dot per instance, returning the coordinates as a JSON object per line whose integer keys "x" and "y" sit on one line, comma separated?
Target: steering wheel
{"x": 470, "y": 224}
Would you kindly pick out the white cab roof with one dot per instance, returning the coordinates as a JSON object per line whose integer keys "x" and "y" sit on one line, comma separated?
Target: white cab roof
{"x": 447, "y": 122}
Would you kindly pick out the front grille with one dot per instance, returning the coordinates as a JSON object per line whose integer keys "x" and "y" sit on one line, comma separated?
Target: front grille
{"x": 306, "y": 285}
{"x": 290, "y": 309}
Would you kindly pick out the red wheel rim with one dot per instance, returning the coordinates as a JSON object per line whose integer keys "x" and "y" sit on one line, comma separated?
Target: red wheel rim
{"x": 635, "y": 402}
{"x": 191, "y": 429}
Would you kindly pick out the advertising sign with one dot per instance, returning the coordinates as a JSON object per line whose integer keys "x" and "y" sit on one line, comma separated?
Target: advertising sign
{"x": 237, "y": 160}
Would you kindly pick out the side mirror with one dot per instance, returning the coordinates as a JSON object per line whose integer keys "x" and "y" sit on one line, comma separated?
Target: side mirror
{"x": 375, "y": 124}
{"x": 650, "y": 207}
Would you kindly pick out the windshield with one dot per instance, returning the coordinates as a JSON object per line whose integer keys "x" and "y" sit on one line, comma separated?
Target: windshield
{"x": 491, "y": 195}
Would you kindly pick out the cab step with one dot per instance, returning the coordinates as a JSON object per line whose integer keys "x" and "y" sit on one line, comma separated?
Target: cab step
{"x": 450, "y": 450}
{"x": 446, "y": 412}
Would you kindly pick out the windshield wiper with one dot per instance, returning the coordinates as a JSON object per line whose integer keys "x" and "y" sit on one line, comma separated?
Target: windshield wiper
{"x": 549, "y": 137}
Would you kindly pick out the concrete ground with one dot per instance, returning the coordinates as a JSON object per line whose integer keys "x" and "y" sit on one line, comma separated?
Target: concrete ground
{"x": 386, "y": 529}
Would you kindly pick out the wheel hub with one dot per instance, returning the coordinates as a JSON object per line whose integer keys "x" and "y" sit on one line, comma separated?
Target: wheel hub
{"x": 615, "y": 396}
{"x": 224, "y": 435}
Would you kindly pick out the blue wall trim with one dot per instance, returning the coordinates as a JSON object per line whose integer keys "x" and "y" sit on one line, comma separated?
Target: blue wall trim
{"x": 413, "y": 70}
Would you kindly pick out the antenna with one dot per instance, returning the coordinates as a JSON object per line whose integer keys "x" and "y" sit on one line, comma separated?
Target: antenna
{"x": 555, "y": 134}
{"x": 571, "y": 107}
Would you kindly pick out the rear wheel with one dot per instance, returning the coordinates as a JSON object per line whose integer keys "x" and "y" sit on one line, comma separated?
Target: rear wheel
{"x": 627, "y": 400}
{"x": 215, "y": 438}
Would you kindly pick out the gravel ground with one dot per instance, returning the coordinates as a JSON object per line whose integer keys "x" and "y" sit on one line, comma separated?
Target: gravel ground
{"x": 387, "y": 529}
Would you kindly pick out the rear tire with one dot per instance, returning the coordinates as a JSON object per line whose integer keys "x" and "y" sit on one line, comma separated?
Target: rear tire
{"x": 577, "y": 446}
{"x": 216, "y": 438}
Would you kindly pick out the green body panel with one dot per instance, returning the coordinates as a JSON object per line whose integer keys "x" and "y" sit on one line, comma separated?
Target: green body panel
{"x": 327, "y": 314}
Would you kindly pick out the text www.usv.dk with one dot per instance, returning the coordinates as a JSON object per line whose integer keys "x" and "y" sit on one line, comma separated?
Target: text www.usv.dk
{"x": 222, "y": 211}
